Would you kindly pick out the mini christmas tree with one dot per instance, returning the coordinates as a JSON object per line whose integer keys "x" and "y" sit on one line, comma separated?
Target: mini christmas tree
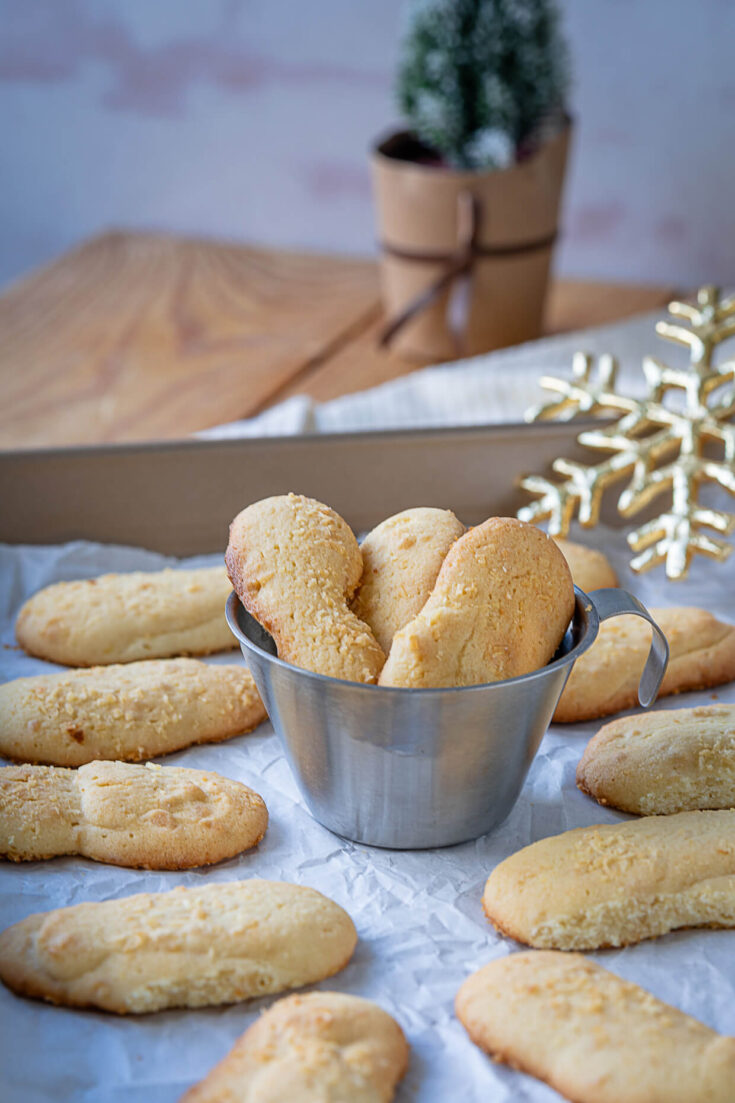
{"x": 479, "y": 78}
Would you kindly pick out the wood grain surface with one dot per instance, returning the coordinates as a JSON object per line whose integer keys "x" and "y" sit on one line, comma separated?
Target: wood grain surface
{"x": 137, "y": 336}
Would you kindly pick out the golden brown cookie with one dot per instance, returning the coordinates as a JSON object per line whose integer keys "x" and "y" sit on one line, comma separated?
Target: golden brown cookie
{"x": 319, "y": 1047}
{"x": 500, "y": 606}
{"x": 150, "y": 817}
{"x": 119, "y": 618}
{"x": 616, "y": 884}
{"x": 401, "y": 559}
{"x": 223, "y": 943}
{"x": 591, "y": 569}
{"x": 593, "y": 1037}
{"x": 129, "y": 712}
{"x": 604, "y": 680}
{"x": 673, "y": 760}
{"x": 295, "y": 565}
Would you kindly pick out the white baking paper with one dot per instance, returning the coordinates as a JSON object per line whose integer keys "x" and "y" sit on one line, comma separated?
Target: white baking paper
{"x": 418, "y": 913}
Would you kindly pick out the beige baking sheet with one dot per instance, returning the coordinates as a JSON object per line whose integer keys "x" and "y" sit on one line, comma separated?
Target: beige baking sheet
{"x": 178, "y": 498}
{"x": 418, "y": 914}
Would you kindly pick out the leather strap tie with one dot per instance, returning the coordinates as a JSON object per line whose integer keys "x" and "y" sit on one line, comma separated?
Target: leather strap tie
{"x": 457, "y": 264}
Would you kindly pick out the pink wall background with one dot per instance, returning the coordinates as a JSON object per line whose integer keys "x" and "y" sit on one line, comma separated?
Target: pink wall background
{"x": 249, "y": 119}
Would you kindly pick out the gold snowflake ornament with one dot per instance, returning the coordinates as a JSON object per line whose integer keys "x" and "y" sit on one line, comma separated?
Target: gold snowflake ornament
{"x": 657, "y": 446}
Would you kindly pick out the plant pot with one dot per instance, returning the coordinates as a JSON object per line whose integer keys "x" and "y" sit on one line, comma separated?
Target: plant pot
{"x": 503, "y": 261}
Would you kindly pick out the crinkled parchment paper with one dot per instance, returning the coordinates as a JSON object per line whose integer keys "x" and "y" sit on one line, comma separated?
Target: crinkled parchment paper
{"x": 418, "y": 913}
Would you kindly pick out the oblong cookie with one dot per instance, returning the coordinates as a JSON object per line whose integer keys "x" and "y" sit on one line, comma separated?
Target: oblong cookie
{"x": 119, "y": 618}
{"x": 500, "y": 606}
{"x": 128, "y": 712}
{"x": 295, "y": 565}
{"x": 591, "y": 569}
{"x": 605, "y": 678}
{"x": 149, "y": 817}
{"x": 616, "y": 884}
{"x": 309, "y": 1049}
{"x": 223, "y": 943}
{"x": 401, "y": 558}
{"x": 658, "y": 763}
{"x": 591, "y": 1035}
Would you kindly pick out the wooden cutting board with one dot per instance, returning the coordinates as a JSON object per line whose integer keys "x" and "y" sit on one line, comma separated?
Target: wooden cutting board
{"x": 137, "y": 336}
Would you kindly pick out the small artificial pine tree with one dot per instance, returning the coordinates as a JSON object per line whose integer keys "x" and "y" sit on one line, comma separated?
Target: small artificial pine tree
{"x": 479, "y": 78}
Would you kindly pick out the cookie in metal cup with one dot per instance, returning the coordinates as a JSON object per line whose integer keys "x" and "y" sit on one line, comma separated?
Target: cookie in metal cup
{"x": 417, "y": 768}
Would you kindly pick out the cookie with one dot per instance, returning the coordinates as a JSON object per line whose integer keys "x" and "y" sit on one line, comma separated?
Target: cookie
{"x": 119, "y": 618}
{"x": 129, "y": 712}
{"x": 195, "y": 947}
{"x": 593, "y": 1037}
{"x": 616, "y": 884}
{"x": 662, "y": 762}
{"x": 500, "y": 606}
{"x": 401, "y": 559}
{"x": 591, "y": 569}
{"x": 295, "y": 565}
{"x": 604, "y": 680}
{"x": 150, "y": 817}
{"x": 323, "y": 1046}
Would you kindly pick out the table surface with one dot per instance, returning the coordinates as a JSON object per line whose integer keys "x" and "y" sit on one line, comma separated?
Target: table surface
{"x": 139, "y": 336}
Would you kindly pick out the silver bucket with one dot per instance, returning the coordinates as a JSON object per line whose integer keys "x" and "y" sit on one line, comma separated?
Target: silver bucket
{"x": 413, "y": 768}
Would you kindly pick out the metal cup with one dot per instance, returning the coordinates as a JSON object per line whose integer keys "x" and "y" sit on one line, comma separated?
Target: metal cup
{"x": 414, "y": 768}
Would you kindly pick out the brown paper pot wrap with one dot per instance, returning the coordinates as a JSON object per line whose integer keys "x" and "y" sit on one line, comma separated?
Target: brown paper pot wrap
{"x": 500, "y": 262}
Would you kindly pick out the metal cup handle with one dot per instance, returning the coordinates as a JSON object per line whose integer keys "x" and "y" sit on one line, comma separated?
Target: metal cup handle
{"x": 613, "y": 603}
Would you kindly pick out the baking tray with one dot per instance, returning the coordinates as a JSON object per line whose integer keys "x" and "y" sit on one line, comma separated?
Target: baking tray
{"x": 179, "y": 497}
{"x": 418, "y": 913}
